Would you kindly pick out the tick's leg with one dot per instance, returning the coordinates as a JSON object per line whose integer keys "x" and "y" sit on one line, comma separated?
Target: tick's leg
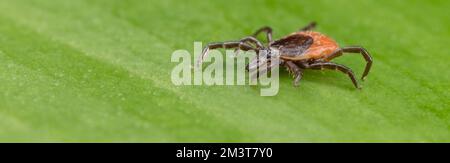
{"x": 309, "y": 27}
{"x": 268, "y": 32}
{"x": 242, "y": 45}
{"x": 257, "y": 72}
{"x": 252, "y": 64}
{"x": 354, "y": 49}
{"x": 366, "y": 56}
{"x": 258, "y": 45}
{"x": 334, "y": 66}
{"x": 252, "y": 40}
{"x": 295, "y": 70}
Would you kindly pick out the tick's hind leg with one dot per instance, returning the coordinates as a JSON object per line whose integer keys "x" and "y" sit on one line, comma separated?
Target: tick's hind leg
{"x": 309, "y": 27}
{"x": 354, "y": 49}
{"x": 268, "y": 32}
{"x": 335, "y": 66}
{"x": 296, "y": 71}
{"x": 366, "y": 56}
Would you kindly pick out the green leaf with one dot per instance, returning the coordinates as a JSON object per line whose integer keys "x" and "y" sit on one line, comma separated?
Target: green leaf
{"x": 99, "y": 70}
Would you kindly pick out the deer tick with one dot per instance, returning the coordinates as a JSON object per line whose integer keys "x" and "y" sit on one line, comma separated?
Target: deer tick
{"x": 304, "y": 49}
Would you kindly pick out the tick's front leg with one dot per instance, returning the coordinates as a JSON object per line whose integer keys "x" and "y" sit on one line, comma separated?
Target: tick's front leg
{"x": 242, "y": 45}
{"x": 268, "y": 32}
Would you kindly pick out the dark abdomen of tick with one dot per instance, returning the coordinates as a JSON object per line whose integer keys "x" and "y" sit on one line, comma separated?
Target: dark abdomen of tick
{"x": 293, "y": 45}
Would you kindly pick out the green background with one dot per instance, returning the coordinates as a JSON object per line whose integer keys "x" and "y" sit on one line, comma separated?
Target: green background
{"x": 83, "y": 70}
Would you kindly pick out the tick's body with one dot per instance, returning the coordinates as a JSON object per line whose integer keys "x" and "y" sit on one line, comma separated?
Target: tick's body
{"x": 298, "y": 51}
{"x": 319, "y": 47}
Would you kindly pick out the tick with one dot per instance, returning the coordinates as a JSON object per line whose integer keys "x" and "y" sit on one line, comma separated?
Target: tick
{"x": 304, "y": 49}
